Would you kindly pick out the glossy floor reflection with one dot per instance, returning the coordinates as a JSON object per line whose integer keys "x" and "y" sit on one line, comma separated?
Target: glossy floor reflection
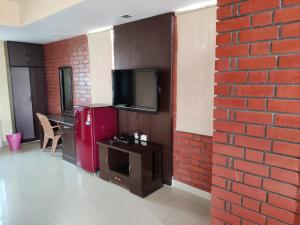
{"x": 38, "y": 189}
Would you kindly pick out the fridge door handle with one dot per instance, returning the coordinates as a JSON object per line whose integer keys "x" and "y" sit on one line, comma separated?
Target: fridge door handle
{"x": 130, "y": 168}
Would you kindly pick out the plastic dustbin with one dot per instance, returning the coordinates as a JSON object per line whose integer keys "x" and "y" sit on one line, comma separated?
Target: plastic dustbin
{"x": 14, "y": 141}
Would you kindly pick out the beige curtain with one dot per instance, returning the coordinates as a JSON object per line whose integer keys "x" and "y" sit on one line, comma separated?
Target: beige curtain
{"x": 101, "y": 64}
{"x": 195, "y": 71}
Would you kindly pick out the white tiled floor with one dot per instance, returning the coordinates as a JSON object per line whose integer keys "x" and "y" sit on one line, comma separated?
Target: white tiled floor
{"x": 38, "y": 189}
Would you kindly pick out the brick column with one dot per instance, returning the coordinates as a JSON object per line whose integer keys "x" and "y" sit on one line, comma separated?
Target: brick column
{"x": 256, "y": 147}
{"x": 69, "y": 52}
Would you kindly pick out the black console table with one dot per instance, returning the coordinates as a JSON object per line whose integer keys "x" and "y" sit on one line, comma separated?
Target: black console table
{"x": 136, "y": 166}
{"x": 68, "y": 136}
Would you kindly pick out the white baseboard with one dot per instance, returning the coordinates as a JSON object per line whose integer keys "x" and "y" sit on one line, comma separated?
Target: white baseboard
{"x": 192, "y": 190}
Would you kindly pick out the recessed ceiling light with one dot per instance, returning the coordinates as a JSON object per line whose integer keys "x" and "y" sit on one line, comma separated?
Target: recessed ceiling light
{"x": 198, "y": 5}
{"x": 100, "y": 29}
{"x": 126, "y": 16}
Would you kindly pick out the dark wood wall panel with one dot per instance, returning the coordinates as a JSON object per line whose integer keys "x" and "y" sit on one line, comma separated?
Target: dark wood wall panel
{"x": 122, "y": 122}
{"x": 148, "y": 44}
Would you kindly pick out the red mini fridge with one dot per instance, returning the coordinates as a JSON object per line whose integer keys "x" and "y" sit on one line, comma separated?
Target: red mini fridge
{"x": 93, "y": 123}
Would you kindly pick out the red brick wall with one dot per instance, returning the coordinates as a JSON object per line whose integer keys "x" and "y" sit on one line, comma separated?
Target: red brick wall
{"x": 71, "y": 52}
{"x": 192, "y": 159}
{"x": 257, "y": 140}
{"x": 192, "y": 153}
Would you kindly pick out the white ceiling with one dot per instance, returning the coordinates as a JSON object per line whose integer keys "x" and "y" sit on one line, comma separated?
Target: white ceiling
{"x": 89, "y": 15}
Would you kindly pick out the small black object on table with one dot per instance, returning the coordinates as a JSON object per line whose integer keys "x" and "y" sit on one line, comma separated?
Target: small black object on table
{"x": 135, "y": 165}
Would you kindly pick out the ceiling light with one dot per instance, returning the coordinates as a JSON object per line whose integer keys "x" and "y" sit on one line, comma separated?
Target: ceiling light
{"x": 198, "y": 5}
{"x": 100, "y": 29}
{"x": 126, "y": 16}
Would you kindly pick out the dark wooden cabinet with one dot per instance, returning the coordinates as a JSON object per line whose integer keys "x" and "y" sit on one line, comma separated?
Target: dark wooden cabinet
{"x": 28, "y": 87}
{"x": 38, "y": 96}
{"x": 22, "y": 102}
{"x": 25, "y": 54}
{"x": 68, "y": 141}
{"x": 35, "y": 55}
{"x": 136, "y": 166}
{"x": 18, "y": 54}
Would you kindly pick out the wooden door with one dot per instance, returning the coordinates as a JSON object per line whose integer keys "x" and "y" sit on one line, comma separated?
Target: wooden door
{"x": 18, "y": 54}
{"x": 22, "y": 102}
{"x": 38, "y": 93}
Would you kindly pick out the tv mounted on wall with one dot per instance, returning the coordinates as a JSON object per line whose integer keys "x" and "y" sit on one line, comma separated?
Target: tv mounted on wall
{"x": 136, "y": 89}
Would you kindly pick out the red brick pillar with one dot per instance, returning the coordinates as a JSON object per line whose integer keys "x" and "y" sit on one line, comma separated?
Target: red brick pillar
{"x": 69, "y": 52}
{"x": 257, "y": 117}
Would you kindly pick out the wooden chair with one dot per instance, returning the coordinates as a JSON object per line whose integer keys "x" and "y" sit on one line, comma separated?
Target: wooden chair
{"x": 49, "y": 132}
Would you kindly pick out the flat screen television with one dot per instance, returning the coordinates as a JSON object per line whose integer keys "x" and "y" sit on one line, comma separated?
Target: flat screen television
{"x": 136, "y": 89}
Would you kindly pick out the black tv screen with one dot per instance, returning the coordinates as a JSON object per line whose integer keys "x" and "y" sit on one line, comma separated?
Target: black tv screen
{"x": 136, "y": 89}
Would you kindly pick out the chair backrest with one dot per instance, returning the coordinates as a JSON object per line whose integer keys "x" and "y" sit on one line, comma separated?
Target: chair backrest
{"x": 48, "y": 130}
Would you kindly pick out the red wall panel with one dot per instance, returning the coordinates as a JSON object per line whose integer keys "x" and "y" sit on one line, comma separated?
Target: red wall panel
{"x": 70, "y": 52}
{"x": 256, "y": 145}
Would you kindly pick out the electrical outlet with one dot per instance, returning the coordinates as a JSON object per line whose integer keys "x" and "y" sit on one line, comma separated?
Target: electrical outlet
{"x": 144, "y": 137}
{"x": 136, "y": 135}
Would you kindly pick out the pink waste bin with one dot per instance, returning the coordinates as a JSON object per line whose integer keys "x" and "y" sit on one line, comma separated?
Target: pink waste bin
{"x": 14, "y": 141}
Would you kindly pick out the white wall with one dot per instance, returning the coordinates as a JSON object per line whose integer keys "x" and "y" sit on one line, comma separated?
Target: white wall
{"x": 9, "y": 13}
{"x": 101, "y": 64}
{"x": 33, "y": 10}
{"x": 195, "y": 71}
{"x": 5, "y": 112}
{"x": 20, "y": 12}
